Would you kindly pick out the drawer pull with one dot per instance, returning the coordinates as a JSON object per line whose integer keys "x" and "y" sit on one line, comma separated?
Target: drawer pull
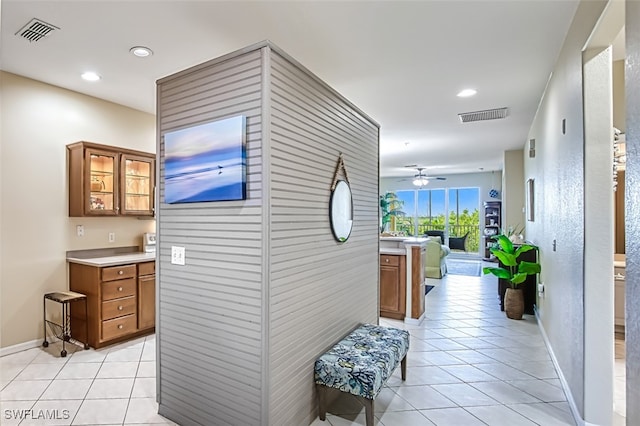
{"x": 120, "y": 272}
{"x": 387, "y": 260}
{"x": 120, "y": 308}
{"x": 619, "y": 277}
{"x": 119, "y": 288}
{"x": 120, "y": 326}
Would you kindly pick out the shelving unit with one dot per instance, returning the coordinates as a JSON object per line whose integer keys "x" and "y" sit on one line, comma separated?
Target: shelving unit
{"x": 492, "y": 226}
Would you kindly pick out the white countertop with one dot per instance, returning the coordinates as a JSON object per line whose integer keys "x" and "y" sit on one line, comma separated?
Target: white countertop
{"x": 393, "y": 251}
{"x": 119, "y": 259}
{"x": 406, "y": 240}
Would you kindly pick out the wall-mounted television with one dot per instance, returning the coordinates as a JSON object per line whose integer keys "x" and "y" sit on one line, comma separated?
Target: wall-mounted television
{"x": 206, "y": 162}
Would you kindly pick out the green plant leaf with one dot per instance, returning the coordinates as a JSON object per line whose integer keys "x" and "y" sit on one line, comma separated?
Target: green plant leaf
{"x": 529, "y": 268}
{"x": 505, "y": 244}
{"x": 507, "y": 259}
{"x": 524, "y": 248}
{"x": 518, "y": 278}
{"x": 498, "y": 272}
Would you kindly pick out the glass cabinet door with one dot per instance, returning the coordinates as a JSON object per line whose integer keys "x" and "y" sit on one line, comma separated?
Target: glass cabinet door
{"x": 102, "y": 182}
{"x": 137, "y": 174}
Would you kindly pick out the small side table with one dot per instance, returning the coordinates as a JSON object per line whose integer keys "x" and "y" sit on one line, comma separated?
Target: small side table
{"x": 64, "y": 298}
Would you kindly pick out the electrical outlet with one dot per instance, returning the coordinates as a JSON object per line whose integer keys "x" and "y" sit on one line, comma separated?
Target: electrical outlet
{"x": 80, "y": 231}
{"x": 540, "y": 287}
{"x": 177, "y": 255}
{"x": 112, "y": 237}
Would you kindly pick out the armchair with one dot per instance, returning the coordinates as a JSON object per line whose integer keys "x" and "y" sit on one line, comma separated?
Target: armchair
{"x": 435, "y": 265}
{"x": 434, "y": 233}
{"x": 458, "y": 243}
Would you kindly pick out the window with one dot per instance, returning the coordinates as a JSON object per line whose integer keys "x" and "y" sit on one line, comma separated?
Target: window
{"x": 426, "y": 210}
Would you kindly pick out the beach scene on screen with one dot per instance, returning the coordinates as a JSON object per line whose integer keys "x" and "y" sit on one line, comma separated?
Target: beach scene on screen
{"x": 206, "y": 162}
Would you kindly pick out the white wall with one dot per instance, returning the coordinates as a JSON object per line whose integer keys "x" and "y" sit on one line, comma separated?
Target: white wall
{"x": 513, "y": 189}
{"x": 38, "y": 121}
{"x": 558, "y": 169}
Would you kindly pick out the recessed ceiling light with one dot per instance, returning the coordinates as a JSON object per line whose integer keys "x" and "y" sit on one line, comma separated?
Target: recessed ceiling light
{"x": 141, "y": 51}
{"x": 467, "y": 92}
{"x": 90, "y": 76}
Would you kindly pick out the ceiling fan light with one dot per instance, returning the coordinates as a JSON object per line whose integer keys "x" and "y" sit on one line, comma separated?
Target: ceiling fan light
{"x": 420, "y": 181}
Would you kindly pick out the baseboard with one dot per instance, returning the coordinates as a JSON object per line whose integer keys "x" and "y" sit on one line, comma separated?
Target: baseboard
{"x": 414, "y": 321}
{"x": 565, "y": 386}
{"x": 20, "y": 347}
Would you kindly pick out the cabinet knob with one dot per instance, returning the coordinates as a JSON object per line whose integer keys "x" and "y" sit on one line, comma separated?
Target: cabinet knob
{"x": 117, "y": 208}
{"x": 120, "y": 272}
{"x": 119, "y": 288}
{"x": 387, "y": 260}
{"x": 120, "y": 308}
{"x": 120, "y": 326}
{"x": 619, "y": 277}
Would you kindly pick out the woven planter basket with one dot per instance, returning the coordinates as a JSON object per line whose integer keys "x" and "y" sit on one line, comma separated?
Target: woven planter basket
{"x": 514, "y": 303}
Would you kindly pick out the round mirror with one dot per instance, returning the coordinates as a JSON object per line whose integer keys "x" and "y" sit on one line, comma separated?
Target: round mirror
{"x": 341, "y": 211}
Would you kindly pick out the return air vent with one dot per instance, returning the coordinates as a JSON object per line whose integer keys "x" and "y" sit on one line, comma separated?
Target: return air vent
{"x": 36, "y": 30}
{"x": 488, "y": 114}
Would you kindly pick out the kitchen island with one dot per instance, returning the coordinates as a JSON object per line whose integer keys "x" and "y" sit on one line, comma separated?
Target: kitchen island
{"x": 402, "y": 281}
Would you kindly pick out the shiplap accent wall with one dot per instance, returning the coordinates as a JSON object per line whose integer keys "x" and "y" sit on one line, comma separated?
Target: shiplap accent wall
{"x": 266, "y": 288}
{"x": 320, "y": 289}
{"x": 210, "y": 345}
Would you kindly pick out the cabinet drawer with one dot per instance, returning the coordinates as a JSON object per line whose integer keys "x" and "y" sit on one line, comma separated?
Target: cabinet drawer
{"x": 390, "y": 260}
{"x": 118, "y": 289}
{"x": 118, "y": 272}
{"x": 118, "y": 327}
{"x": 146, "y": 268}
{"x": 118, "y": 308}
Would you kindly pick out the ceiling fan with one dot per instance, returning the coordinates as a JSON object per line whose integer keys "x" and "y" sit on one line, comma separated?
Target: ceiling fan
{"x": 421, "y": 179}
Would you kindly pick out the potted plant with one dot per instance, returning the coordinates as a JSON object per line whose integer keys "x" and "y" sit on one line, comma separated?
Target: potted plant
{"x": 390, "y": 206}
{"x": 514, "y": 271}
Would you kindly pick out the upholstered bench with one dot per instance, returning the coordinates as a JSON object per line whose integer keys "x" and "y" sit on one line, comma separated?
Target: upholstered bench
{"x": 361, "y": 363}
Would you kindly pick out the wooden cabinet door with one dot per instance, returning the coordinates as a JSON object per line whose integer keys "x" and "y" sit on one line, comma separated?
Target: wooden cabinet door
{"x": 137, "y": 175}
{"x": 101, "y": 182}
{"x": 146, "y": 301}
{"x": 392, "y": 287}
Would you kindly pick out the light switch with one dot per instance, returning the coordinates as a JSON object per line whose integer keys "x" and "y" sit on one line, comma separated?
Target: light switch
{"x": 177, "y": 255}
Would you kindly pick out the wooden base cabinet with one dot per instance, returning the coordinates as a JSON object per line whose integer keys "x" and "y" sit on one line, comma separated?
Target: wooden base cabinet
{"x": 393, "y": 286}
{"x": 120, "y": 302}
{"x": 146, "y": 295}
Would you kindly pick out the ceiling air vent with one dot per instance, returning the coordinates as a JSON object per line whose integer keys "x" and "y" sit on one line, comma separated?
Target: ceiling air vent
{"x": 36, "y": 30}
{"x": 487, "y": 114}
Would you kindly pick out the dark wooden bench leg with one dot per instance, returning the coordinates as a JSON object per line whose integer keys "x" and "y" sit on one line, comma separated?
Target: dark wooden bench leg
{"x": 322, "y": 401}
{"x": 403, "y": 368}
{"x": 368, "y": 410}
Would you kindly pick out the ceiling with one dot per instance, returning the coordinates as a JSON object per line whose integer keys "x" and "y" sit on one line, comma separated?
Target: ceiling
{"x": 402, "y": 63}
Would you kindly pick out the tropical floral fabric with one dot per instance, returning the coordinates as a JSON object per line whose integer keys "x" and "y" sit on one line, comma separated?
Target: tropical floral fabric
{"x": 362, "y": 362}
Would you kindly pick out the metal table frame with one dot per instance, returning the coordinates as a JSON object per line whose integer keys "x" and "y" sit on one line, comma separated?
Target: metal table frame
{"x": 64, "y": 298}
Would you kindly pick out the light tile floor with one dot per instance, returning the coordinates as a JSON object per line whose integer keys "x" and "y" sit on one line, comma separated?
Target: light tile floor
{"x": 468, "y": 365}
{"x": 115, "y": 385}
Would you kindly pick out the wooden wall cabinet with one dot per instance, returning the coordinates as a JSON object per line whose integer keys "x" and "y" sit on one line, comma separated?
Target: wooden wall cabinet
{"x": 120, "y": 301}
{"x": 393, "y": 285}
{"x": 110, "y": 181}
